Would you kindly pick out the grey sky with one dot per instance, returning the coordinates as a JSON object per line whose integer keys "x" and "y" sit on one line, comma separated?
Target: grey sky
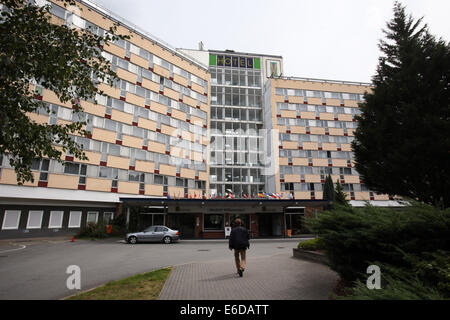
{"x": 326, "y": 39}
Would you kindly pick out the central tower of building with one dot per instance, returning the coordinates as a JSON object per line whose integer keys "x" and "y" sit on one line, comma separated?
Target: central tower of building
{"x": 237, "y": 145}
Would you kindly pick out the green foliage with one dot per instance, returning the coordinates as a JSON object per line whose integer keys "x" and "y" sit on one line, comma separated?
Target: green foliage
{"x": 59, "y": 58}
{"x": 340, "y": 197}
{"x": 312, "y": 244}
{"x": 328, "y": 191}
{"x": 356, "y": 237}
{"x": 93, "y": 230}
{"x": 393, "y": 288}
{"x": 401, "y": 143}
{"x": 119, "y": 225}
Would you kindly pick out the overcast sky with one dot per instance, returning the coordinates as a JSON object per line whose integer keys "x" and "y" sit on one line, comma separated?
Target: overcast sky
{"x": 327, "y": 39}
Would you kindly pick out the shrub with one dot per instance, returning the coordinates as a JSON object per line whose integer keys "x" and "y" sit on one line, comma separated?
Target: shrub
{"x": 93, "y": 230}
{"x": 355, "y": 237}
{"x": 311, "y": 245}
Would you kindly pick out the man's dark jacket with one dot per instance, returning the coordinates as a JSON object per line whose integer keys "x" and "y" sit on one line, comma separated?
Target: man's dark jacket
{"x": 239, "y": 238}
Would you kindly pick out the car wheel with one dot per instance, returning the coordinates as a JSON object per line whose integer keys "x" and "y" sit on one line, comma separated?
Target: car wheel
{"x": 132, "y": 240}
{"x": 167, "y": 239}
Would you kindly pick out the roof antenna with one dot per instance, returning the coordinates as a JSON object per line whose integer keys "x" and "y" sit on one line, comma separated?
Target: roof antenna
{"x": 201, "y": 47}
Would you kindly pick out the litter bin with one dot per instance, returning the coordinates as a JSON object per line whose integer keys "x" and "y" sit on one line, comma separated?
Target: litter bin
{"x": 289, "y": 232}
{"x": 108, "y": 228}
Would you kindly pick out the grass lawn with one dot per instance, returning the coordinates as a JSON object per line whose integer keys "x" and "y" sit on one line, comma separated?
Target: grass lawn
{"x": 146, "y": 286}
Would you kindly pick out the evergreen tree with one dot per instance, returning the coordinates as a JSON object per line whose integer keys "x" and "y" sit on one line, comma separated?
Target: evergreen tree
{"x": 340, "y": 197}
{"x": 57, "y": 57}
{"x": 402, "y": 142}
{"x": 328, "y": 191}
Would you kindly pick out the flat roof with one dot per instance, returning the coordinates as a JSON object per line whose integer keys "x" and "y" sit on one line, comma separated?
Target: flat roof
{"x": 324, "y": 80}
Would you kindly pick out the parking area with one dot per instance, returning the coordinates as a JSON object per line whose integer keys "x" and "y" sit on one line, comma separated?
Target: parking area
{"x": 37, "y": 269}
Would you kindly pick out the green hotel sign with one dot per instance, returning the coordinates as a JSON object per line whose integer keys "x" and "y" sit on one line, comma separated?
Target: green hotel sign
{"x": 234, "y": 61}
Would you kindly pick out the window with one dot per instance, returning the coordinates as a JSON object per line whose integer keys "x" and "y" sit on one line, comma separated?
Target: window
{"x": 92, "y": 217}
{"x": 11, "y": 220}
{"x": 56, "y": 218}
{"x": 107, "y": 217}
{"x": 34, "y": 219}
{"x": 75, "y": 219}
{"x": 213, "y": 222}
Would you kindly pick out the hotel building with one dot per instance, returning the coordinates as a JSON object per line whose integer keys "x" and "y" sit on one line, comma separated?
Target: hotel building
{"x": 179, "y": 132}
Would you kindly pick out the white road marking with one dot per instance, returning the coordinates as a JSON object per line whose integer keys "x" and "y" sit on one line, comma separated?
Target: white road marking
{"x": 22, "y": 247}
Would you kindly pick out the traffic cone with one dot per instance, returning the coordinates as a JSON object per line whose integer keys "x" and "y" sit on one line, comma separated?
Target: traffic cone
{"x": 73, "y": 238}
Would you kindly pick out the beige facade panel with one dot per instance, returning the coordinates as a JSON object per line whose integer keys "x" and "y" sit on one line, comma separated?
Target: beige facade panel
{"x": 197, "y": 121}
{"x": 139, "y": 61}
{"x": 346, "y": 147}
{"x": 94, "y": 184}
{"x": 167, "y": 170}
{"x": 63, "y": 181}
{"x": 110, "y": 91}
{"x": 161, "y": 71}
{"x": 156, "y": 147}
{"x": 204, "y": 106}
{"x": 329, "y": 146}
{"x": 120, "y": 116}
{"x": 345, "y": 117}
{"x": 135, "y": 99}
{"x": 104, "y": 135}
{"x": 288, "y": 114}
{"x": 144, "y": 166}
{"x": 38, "y": 118}
{"x": 295, "y": 99}
{"x": 8, "y": 176}
{"x": 189, "y": 101}
{"x": 362, "y": 196}
{"x": 153, "y": 190}
{"x": 118, "y": 162}
{"x": 176, "y": 192}
{"x": 298, "y": 130}
{"x": 126, "y": 75}
{"x": 320, "y": 162}
{"x": 290, "y": 145}
{"x": 180, "y": 80}
{"x": 93, "y": 158}
{"x": 318, "y": 195}
{"x": 333, "y": 102}
{"x": 351, "y": 179}
{"x": 187, "y": 173}
{"x": 281, "y": 129}
{"x": 146, "y": 124}
{"x": 302, "y": 195}
{"x": 300, "y": 161}
{"x": 314, "y": 178}
{"x": 308, "y": 115}
{"x": 158, "y": 107}
{"x": 339, "y": 163}
{"x": 291, "y": 178}
{"x": 316, "y": 101}
{"x": 317, "y": 130}
{"x": 203, "y": 175}
{"x": 92, "y": 16}
{"x": 172, "y": 94}
{"x": 168, "y": 130}
{"x": 336, "y": 131}
{"x": 133, "y": 142}
{"x": 150, "y": 85}
{"x": 116, "y": 50}
{"x": 351, "y": 103}
{"x": 310, "y": 146}
{"x": 94, "y": 109}
{"x": 197, "y": 88}
{"x": 178, "y": 115}
{"x": 319, "y": 86}
{"x": 50, "y": 96}
{"x": 326, "y": 116}
{"x": 380, "y": 197}
{"x": 283, "y": 161}
{"x": 196, "y": 156}
{"x": 128, "y": 187}
{"x": 195, "y": 193}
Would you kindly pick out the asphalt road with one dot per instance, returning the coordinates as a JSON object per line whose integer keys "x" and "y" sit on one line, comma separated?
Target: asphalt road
{"x": 37, "y": 269}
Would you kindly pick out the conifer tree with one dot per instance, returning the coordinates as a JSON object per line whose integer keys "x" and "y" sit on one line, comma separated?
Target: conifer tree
{"x": 402, "y": 142}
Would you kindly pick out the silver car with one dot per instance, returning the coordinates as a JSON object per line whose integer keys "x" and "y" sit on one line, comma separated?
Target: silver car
{"x": 153, "y": 234}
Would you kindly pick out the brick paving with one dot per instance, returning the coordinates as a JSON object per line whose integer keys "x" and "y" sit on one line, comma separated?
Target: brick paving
{"x": 277, "y": 277}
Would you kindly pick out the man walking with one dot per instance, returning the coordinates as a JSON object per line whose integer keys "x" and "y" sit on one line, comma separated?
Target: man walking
{"x": 239, "y": 242}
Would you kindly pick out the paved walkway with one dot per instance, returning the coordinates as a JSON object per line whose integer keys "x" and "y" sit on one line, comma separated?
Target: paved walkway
{"x": 277, "y": 277}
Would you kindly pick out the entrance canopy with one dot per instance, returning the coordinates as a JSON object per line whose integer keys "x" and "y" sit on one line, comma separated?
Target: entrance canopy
{"x": 222, "y": 205}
